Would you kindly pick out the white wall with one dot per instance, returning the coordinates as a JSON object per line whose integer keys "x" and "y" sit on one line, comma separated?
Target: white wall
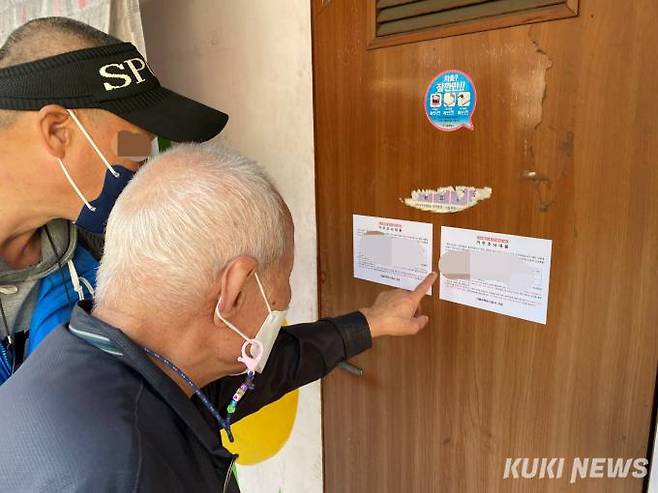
{"x": 253, "y": 60}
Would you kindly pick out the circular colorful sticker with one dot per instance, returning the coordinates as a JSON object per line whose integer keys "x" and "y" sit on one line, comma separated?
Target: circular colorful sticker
{"x": 450, "y": 101}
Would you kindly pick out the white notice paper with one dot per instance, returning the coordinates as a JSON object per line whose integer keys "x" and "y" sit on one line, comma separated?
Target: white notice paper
{"x": 496, "y": 293}
{"x": 394, "y": 252}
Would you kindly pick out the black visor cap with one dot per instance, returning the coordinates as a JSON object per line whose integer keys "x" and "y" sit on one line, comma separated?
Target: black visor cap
{"x": 115, "y": 78}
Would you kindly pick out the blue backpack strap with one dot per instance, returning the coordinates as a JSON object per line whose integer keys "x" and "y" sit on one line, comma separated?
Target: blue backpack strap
{"x": 53, "y": 307}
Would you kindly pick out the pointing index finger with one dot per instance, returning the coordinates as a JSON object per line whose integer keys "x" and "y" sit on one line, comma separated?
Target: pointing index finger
{"x": 424, "y": 285}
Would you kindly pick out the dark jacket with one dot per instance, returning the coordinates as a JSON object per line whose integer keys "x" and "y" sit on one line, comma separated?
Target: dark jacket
{"x": 89, "y": 411}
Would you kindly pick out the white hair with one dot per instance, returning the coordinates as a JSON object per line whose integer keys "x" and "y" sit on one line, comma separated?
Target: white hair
{"x": 184, "y": 215}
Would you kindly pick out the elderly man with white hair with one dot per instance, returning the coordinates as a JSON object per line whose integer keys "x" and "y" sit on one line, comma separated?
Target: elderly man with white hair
{"x": 183, "y": 339}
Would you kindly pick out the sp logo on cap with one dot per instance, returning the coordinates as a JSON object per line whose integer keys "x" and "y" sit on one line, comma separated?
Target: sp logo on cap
{"x": 127, "y": 72}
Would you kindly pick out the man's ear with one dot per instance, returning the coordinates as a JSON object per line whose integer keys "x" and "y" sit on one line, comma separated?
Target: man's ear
{"x": 54, "y": 127}
{"x": 232, "y": 280}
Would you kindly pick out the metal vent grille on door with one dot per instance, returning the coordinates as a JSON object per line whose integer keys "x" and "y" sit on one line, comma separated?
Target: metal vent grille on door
{"x": 425, "y": 19}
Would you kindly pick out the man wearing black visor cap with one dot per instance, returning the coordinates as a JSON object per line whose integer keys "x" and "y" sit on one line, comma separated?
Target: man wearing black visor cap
{"x": 69, "y": 94}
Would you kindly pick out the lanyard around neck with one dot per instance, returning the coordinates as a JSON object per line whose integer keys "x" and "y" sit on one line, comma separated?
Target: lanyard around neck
{"x": 105, "y": 344}
{"x": 224, "y": 424}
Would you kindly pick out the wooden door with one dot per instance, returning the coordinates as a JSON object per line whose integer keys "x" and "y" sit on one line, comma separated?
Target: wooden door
{"x": 574, "y": 100}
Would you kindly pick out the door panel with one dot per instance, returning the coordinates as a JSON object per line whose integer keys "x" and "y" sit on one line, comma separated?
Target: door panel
{"x": 573, "y": 100}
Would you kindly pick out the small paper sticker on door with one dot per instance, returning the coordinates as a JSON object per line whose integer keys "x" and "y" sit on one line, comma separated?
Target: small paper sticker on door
{"x": 450, "y": 101}
{"x": 447, "y": 199}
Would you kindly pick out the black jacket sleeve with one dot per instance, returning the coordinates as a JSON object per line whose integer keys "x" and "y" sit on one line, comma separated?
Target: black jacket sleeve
{"x": 301, "y": 354}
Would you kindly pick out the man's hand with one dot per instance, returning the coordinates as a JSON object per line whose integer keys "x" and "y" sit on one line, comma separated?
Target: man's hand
{"x": 397, "y": 312}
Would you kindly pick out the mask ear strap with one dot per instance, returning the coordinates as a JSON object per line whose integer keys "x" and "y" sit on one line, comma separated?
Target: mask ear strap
{"x": 231, "y": 326}
{"x": 251, "y": 362}
{"x": 262, "y": 291}
{"x": 74, "y": 186}
{"x": 93, "y": 144}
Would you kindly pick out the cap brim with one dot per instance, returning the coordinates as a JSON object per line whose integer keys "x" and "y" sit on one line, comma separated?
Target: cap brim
{"x": 175, "y": 117}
